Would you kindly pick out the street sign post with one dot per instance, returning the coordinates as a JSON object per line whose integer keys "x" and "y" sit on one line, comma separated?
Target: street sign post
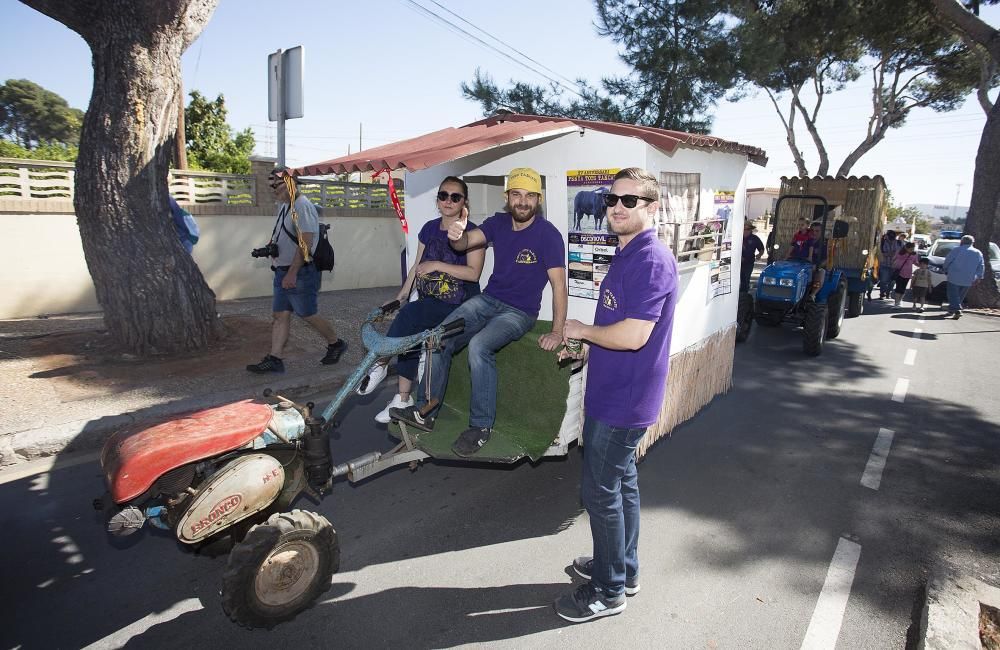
{"x": 284, "y": 91}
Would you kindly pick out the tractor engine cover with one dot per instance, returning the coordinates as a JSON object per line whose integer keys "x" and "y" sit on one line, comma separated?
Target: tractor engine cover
{"x": 243, "y": 487}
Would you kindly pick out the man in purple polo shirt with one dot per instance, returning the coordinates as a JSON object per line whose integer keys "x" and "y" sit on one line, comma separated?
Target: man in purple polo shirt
{"x": 629, "y": 355}
{"x": 528, "y": 252}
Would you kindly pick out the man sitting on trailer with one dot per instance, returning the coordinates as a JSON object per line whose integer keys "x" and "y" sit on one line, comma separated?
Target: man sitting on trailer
{"x": 812, "y": 250}
{"x": 528, "y": 252}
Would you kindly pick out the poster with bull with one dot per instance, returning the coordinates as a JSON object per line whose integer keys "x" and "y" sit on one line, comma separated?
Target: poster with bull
{"x": 591, "y": 246}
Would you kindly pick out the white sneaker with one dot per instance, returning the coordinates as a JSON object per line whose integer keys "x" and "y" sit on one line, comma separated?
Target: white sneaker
{"x": 397, "y": 403}
{"x": 374, "y": 377}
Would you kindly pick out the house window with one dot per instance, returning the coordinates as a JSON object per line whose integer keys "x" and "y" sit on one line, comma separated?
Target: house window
{"x": 681, "y": 201}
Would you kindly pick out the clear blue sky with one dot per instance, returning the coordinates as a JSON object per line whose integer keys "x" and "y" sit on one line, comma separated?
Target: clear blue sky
{"x": 397, "y": 72}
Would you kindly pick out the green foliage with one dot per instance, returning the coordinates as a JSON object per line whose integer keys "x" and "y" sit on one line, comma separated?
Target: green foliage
{"x": 31, "y": 116}
{"x": 681, "y": 65}
{"x": 211, "y": 144}
{"x": 64, "y": 152}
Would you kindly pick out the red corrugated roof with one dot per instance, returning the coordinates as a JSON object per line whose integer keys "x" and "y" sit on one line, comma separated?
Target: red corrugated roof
{"x": 451, "y": 143}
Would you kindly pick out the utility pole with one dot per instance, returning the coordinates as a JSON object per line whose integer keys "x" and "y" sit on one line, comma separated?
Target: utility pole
{"x": 180, "y": 137}
{"x": 954, "y": 206}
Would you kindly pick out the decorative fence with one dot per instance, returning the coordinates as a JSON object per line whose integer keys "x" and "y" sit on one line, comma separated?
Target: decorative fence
{"x": 48, "y": 179}
{"x": 36, "y": 179}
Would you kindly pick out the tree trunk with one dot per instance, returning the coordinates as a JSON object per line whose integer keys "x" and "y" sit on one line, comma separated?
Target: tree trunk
{"x": 824, "y": 158}
{"x": 789, "y": 124}
{"x": 154, "y": 297}
{"x": 866, "y": 145}
{"x": 983, "y": 207}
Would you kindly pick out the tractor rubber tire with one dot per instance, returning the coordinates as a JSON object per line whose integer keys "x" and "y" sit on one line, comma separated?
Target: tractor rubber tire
{"x": 835, "y": 312}
{"x": 744, "y": 317}
{"x": 855, "y": 304}
{"x": 280, "y": 568}
{"x": 814, "y": 329}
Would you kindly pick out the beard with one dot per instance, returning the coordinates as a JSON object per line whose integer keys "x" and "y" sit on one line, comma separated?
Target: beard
{"x": 523, "y": 214}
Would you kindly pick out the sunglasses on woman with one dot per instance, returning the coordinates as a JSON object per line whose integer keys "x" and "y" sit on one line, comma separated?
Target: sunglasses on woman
{"x": 454, "y": 196}
{"x": 628, "y": 200}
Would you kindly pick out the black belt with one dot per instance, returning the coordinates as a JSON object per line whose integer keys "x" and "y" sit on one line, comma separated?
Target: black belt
{"x": 285, "y": 268}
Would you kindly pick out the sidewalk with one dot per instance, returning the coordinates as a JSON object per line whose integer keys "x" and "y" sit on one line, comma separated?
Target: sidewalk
{"x": 66, "y": 388}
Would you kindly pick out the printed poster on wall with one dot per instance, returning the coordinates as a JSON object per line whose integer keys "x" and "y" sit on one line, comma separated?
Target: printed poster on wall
{"x": 720, "y": 278}
{"x": 591, "y": 246}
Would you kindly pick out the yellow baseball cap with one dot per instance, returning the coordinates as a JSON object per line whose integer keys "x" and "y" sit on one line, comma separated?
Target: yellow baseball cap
{"x": 524, "y": 178}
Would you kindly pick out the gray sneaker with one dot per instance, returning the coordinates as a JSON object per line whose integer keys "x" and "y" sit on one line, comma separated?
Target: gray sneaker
{"x": 584, "y": 567}
{"x": 410, "y": 415}
{"x": 471, "y": 440}
{"x": 587, "y": 603}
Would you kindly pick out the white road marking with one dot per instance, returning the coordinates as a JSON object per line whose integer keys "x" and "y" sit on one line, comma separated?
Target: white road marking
{"x": 911, "y": 356}
{"x": 824, "y": 626}
{"x": 120, "y": 638}
{"x": 921, "y": 320}
{"x": 872, "y": 476}
{"x": 899, "y": 393}
{"x": 917, "y": 332}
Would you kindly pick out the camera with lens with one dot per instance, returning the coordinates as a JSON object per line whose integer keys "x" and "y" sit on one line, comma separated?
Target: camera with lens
{"x": 271, "y": 250}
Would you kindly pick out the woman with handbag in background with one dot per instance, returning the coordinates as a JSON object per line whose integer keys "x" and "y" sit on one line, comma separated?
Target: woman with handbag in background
{"x": 902, "y": 266}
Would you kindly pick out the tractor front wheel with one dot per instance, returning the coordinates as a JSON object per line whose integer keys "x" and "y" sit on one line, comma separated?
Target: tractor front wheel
{"x": 280, "y": 568}
{"x": 744, "y": 317}
{"x": 814, "y": 329}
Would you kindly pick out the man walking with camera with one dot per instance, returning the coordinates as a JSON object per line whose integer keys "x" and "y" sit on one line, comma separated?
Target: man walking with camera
{"x": 296, "y": 282}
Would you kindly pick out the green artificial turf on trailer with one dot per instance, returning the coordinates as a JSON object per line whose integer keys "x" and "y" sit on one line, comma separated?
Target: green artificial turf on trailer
{"x": 531, "y": 403}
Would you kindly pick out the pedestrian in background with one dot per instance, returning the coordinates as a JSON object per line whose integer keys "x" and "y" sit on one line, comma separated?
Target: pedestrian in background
{"x": 752, "y": 250}
{"x": 888, "y": 248}
{"x": 964, "y": 266}
{"x": 902, "y": 269}
{"x": 921, "y": 284}
{"x": 187, "y": 230}
{"x": 296, "y": 282}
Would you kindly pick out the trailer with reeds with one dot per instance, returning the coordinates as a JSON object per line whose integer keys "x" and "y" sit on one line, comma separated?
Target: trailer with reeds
{"x": 861, "y": 202}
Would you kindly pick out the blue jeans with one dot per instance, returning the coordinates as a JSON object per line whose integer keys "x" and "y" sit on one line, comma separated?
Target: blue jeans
{"x": 413, "y": 318}
{"x": 885, "y": 281}
{"x": 489, "y": 326}
{"x": 956, "y": 296}
{"x": 610, "y": 493}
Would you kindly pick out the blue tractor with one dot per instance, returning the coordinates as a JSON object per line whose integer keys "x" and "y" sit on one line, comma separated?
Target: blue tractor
{"x": 786, "y": 291}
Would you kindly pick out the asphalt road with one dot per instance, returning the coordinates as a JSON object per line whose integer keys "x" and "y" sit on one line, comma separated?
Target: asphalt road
{"x": 744, "y": 510}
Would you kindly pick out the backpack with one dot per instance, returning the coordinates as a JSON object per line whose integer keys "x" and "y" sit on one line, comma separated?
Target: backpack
{"x": 323, "y": 255}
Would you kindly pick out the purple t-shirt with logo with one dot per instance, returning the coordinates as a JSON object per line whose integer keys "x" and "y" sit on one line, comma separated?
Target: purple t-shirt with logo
{"x": 625, "y": 387}
{"x": 440, "y": 285}
{"x": 521, "y": 260}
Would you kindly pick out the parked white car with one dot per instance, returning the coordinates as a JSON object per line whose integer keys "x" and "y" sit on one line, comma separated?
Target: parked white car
{"x": 935, "y": 258}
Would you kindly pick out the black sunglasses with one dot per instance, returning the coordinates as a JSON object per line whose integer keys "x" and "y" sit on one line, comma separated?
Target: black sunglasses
{"x": 628, "y": 200}
{"x": 454, "y": 196}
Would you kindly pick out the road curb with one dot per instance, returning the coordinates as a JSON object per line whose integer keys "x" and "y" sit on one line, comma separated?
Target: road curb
{"x": 85, "y": 435}
{"x": 950, "y": 619}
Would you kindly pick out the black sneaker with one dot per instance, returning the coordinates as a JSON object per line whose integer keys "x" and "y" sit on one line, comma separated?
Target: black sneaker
{"x": 584, "y": 567}
{"x": 270, "y": 363}
{"x": 333, "y": 352}
{"x": 586, "y": 603}
{"x": 411, "y": 416}
{"x": 471, "y": 440}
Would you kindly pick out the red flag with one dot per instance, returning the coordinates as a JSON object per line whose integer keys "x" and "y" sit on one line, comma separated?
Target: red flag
{"x": 394, "y": 198}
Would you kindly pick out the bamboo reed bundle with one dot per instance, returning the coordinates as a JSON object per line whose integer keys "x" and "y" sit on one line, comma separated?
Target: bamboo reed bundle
{"x": 861, "y": 202}
{"x": 697, "y": 374}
